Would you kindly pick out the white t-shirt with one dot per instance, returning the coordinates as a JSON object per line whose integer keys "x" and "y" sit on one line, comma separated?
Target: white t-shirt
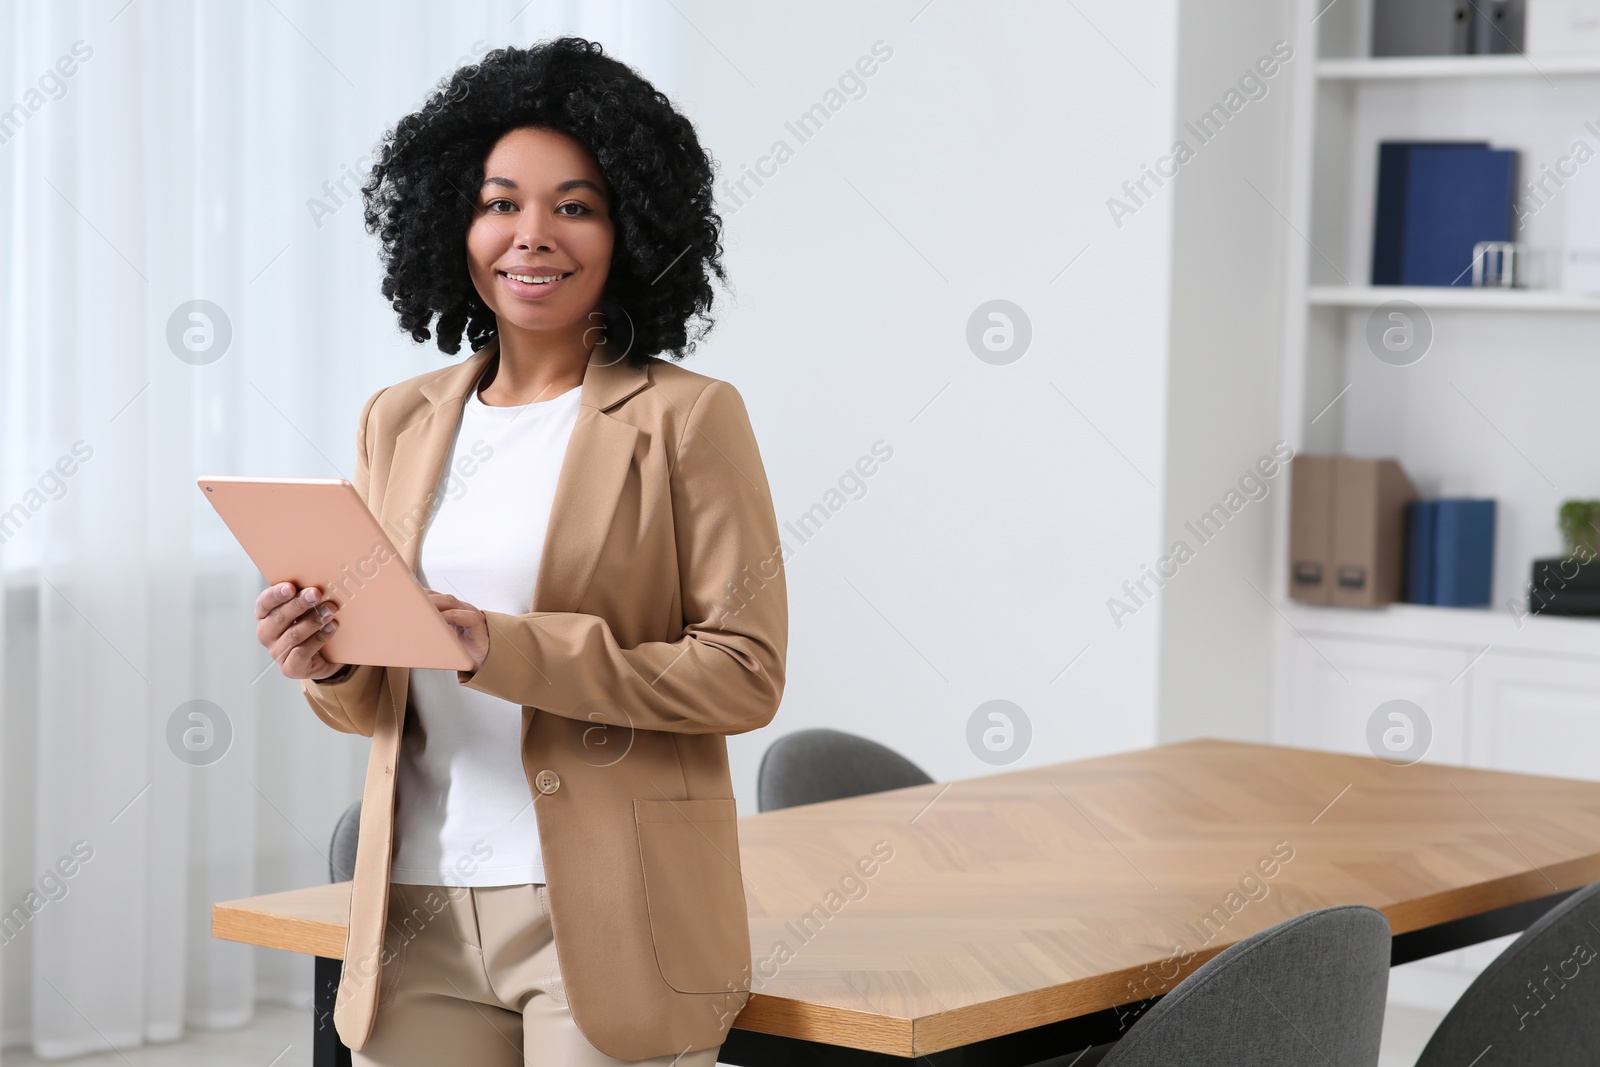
{"x": 464, "y": 804}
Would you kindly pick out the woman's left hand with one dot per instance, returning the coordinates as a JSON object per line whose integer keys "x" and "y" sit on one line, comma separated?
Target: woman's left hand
{"x": 469, "y": 624}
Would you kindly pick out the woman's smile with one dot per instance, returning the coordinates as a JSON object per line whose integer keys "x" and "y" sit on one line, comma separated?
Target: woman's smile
{"x": 533, "y": 283}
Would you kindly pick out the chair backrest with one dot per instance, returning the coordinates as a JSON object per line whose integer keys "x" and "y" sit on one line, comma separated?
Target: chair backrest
{"x": 1309, "y": 990}
{"x": 342, "y": 848}
{"x": 810, "y": 766}
{"x": 1538, "y": 1002}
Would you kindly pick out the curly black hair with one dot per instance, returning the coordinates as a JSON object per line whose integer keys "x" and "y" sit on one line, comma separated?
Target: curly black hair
{"x": 421, "y": 195}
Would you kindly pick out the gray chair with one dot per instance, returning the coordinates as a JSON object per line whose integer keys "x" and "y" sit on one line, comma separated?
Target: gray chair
{"x": 810, "y": 766}
{"x": 342, "y": 848}
{"x": 1538, "y": 1002}
{"x": 1309, "y": 991}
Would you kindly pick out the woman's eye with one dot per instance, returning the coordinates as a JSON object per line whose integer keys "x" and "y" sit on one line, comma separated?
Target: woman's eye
{"x": 499, "y": 206}
{"x": 583, "y": 209}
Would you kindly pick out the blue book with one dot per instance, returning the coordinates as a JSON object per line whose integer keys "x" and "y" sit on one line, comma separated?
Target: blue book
{"x": 1436, "y": 200}
{"x": 1422, "y": 523}
{"x": 1464, "y": 553}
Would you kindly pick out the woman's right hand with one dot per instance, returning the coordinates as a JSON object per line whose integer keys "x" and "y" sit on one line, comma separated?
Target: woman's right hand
{"x": 293, "y": 626}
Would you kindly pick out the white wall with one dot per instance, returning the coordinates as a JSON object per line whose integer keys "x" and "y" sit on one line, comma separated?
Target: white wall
{"x": 974, "y": 564}
{"x": 1222, "y": 417}
{"x": 977, "y": 561}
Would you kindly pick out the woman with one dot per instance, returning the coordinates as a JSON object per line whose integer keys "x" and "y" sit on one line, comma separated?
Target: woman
{"x": 548, "y": 869}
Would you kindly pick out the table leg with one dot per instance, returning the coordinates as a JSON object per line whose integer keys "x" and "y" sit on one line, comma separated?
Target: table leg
{"x": 1473, "y": 930}
{"x": 326, "y": 1048}
{"x": 1069, "y": 1037}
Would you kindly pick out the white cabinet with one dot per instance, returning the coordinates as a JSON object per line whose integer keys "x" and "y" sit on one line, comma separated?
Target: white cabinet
{"x": 1521, "y": 709}
{"x": 1535, "y": 713}
{"x": 1338, "y": 682}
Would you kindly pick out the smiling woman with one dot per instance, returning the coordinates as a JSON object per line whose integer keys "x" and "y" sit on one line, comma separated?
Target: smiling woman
{"x": 552, "y": 206}
{"x": 539, "y": 253}
{"x": 428, "y": 187}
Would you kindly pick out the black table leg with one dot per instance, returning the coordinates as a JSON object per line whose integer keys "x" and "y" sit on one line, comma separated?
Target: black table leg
{"x": 1473, "y": 930}
{"x": 326, "y": 1048}
{"x": 746, "y": 1048}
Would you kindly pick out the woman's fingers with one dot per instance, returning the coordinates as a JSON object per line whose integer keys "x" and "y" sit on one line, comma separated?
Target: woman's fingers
{"x": 308, "y": 625}
{"x": 306, "y": 660}
{"x": 293, "y": 626}
{"x": 470, "y": 624}
{"x": 271, "y": 618}
{"x": 271, "y": 597}
{"x": 456, "y": 612}
{"x": 276, "y": 608}
{"x": 290, "y": 610}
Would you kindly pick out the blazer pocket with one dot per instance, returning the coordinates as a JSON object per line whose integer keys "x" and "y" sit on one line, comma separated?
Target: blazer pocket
{"x": 694, "y": 893}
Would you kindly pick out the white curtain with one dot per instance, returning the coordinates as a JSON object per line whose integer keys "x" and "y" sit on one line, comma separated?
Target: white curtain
{"x": 156, "y": 153}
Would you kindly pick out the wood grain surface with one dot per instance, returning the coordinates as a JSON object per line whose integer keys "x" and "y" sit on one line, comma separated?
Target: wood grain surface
{"x": 927, "y": 918}
{"x": 311, "y": 920}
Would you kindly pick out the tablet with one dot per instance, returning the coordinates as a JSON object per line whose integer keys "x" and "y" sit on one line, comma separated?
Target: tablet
{"x": 317, "y": 531}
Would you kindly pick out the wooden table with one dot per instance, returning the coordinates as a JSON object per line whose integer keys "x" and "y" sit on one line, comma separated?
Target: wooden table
{"x": 1005, "y": 919}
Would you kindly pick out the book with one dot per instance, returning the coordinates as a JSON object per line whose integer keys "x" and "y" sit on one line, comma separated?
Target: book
{"x": 1567, "y": 603}
{"x": 1435, "y": 201}
{"x": 1497, "y": 27}
{"x": 1464, "y": 553}
{"x": 1422, "y": 526}
{"x": 1563, "y": 586}
{"x": 1421, "y": 27}
{"x": 1566, "y": 574}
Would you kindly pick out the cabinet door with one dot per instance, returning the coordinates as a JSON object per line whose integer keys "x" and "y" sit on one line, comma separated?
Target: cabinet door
{"x": 1336, "y": 683}
{"x": 1535, "y": 714}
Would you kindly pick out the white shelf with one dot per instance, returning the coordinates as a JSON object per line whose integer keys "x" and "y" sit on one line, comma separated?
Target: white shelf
{"x": 1443, "y": 296}
{"x": 1410, "y": 68}
{"x": 1496, "y": 627}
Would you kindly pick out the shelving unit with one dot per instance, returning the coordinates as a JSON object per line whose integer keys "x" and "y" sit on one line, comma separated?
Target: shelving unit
{"x": 1495, "y": 627}
{"x": 1501, "y": 405}
{"x": 1416, "y": 67}
{"x": 1498, "y": 407}
{"x": 1370, "y": 296}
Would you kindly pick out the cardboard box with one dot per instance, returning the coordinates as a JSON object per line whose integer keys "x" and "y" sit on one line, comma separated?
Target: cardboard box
{"x": 1347, "y": 534}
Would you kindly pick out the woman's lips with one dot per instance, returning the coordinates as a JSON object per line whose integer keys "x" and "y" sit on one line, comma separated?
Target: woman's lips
{"x": 534, "y": 290}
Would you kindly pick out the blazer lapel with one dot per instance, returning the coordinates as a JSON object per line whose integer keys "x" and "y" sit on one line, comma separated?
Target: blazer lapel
{"x": 420, "y": 450}
{"x": 598, "y": 457}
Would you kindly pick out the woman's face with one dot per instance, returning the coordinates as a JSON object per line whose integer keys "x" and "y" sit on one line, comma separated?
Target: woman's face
{"x": 543, "y": 211}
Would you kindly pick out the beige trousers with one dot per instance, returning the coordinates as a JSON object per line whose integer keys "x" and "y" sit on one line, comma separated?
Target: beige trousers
{"x": 471, "y": 978}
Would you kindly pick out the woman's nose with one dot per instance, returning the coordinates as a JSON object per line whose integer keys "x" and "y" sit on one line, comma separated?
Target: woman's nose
{"x": 531, "y": 235}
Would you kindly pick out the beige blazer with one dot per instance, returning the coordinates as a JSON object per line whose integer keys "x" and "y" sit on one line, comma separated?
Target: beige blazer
{"x": 659, "y": 623}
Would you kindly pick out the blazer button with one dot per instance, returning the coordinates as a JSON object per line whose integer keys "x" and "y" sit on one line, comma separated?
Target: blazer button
{"x": 547, "y": 781}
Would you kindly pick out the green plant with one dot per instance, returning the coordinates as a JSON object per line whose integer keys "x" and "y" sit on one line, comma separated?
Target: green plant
{"x": 1578, "y": 520}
